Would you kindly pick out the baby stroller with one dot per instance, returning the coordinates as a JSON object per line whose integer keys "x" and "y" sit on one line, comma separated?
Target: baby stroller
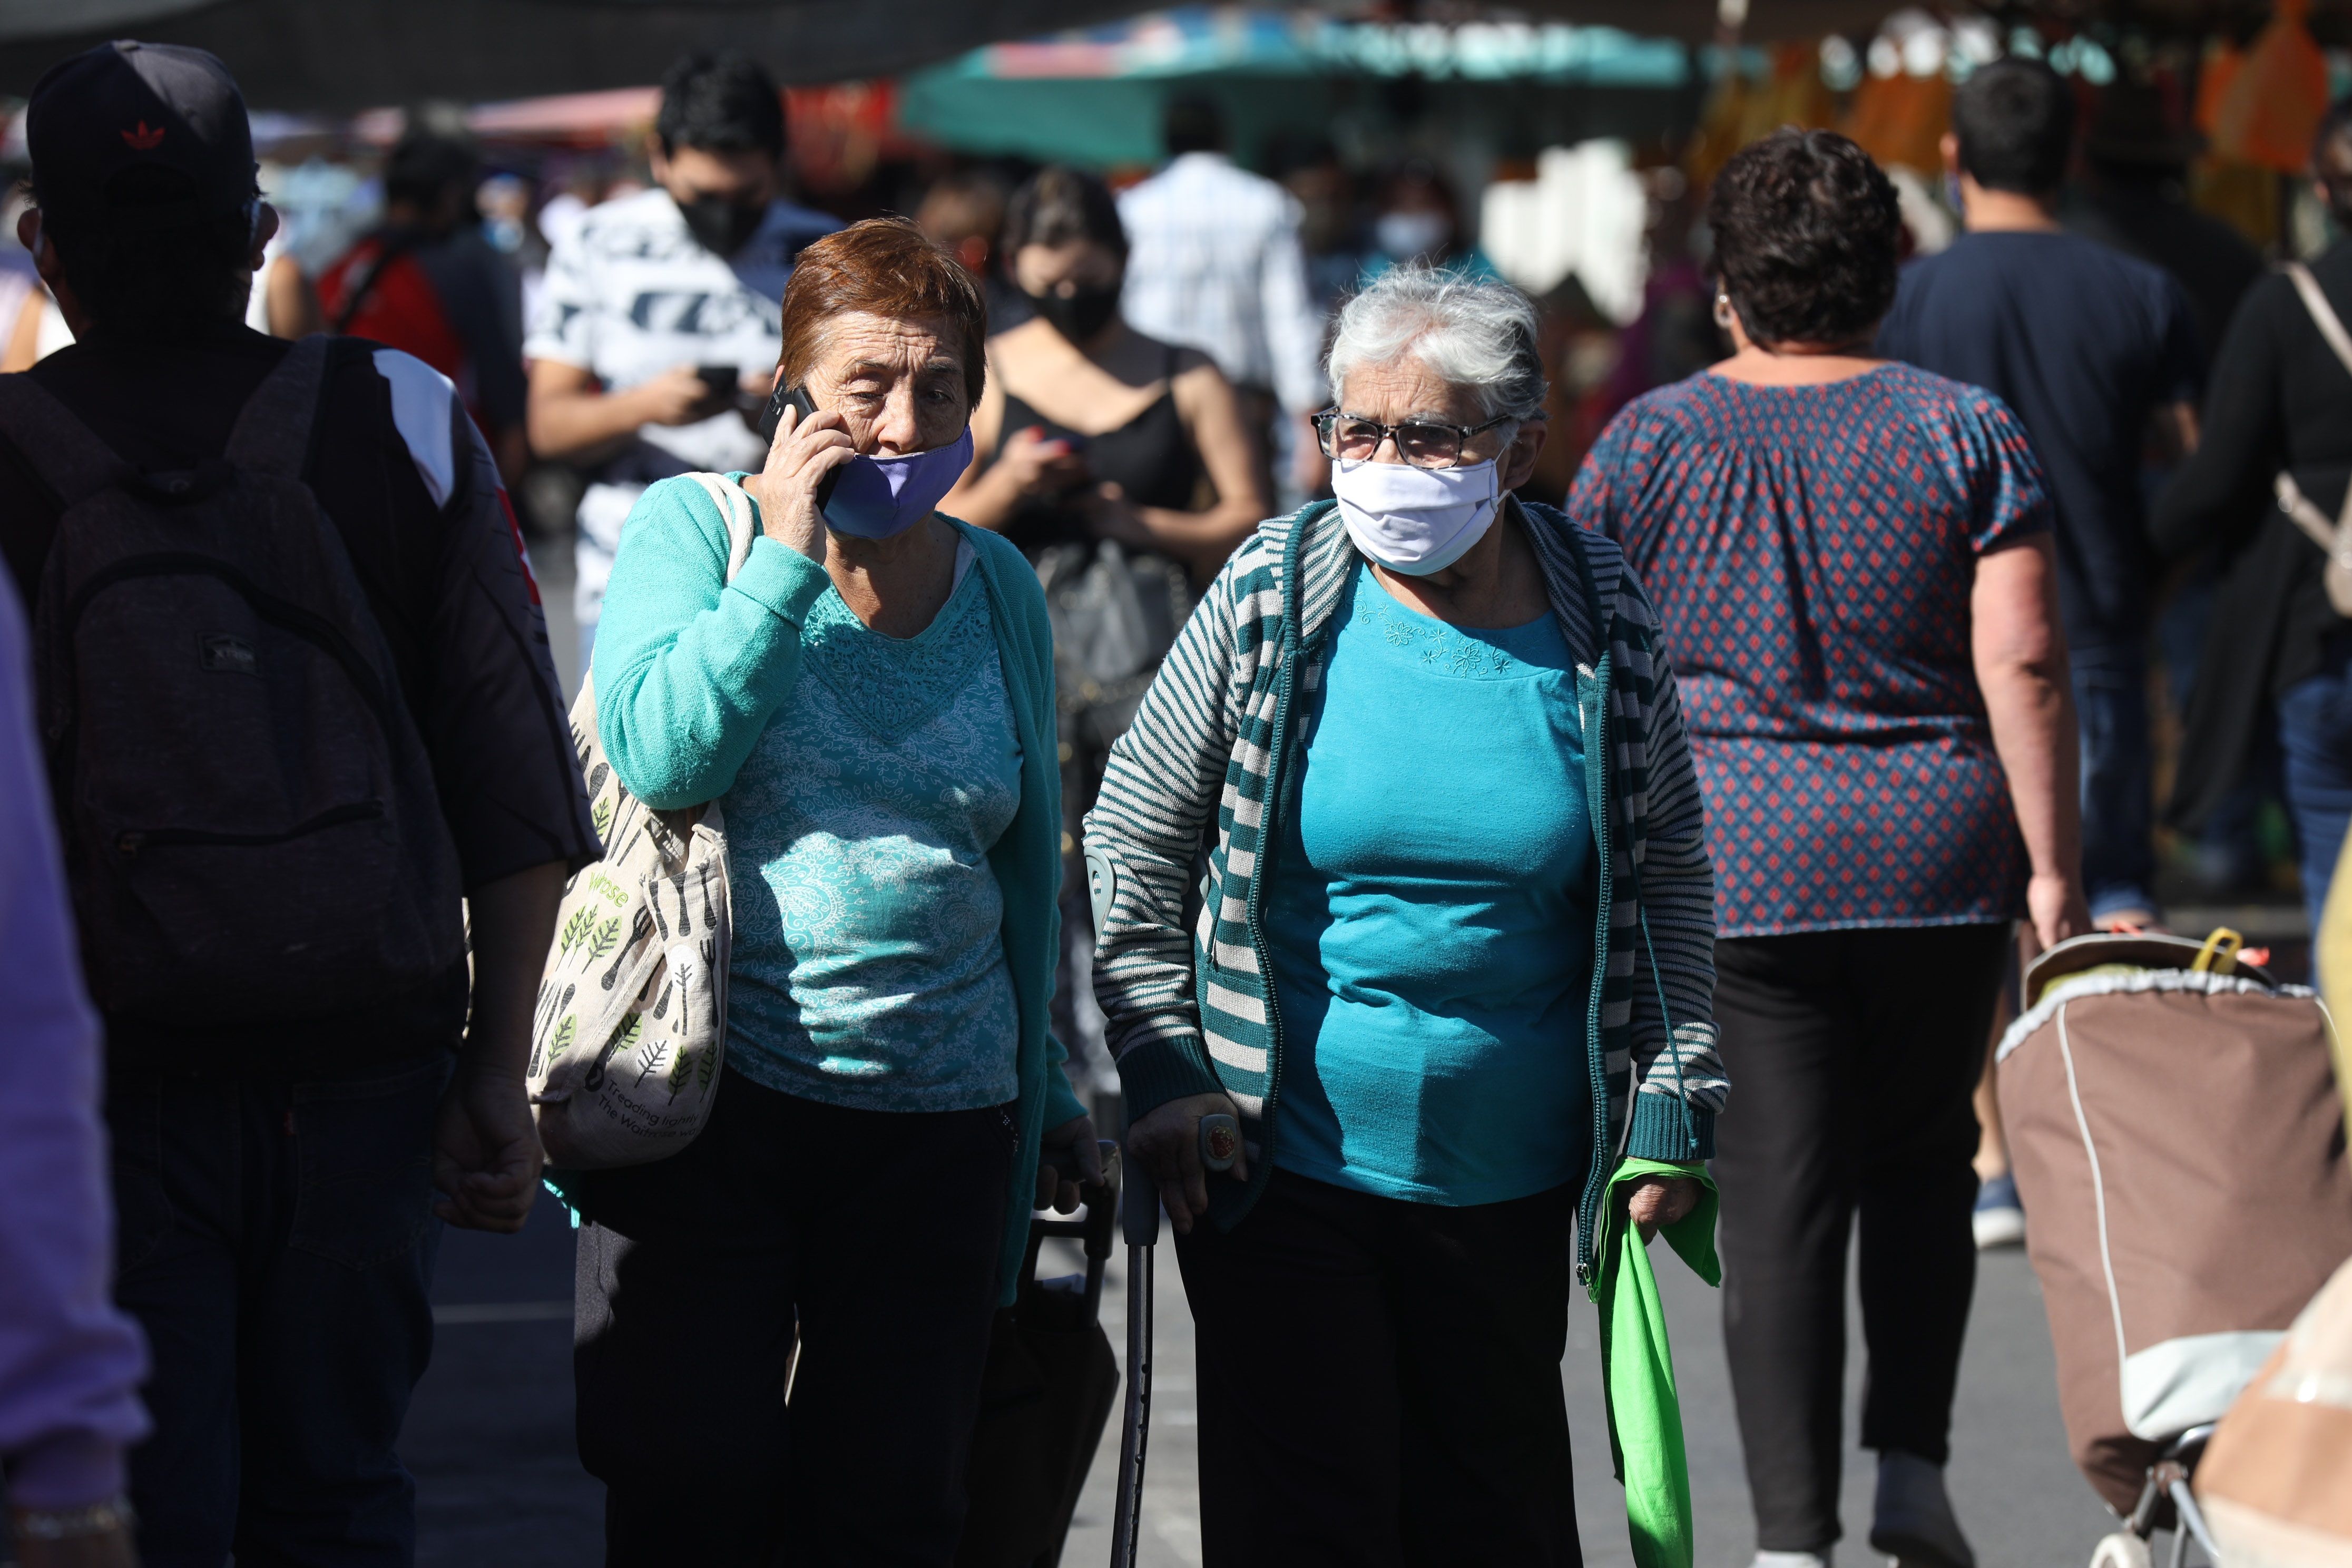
{"x": 2172, "y": 1118}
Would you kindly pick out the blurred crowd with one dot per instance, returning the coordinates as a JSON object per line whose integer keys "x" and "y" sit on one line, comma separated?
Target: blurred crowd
{"x": 609, "y": 314}
{"x": 1882, "y": 597}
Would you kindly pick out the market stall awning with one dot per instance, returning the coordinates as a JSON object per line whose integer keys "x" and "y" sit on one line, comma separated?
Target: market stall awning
{"x": 339, "y": 56}
{"x": 1094, "y": 95}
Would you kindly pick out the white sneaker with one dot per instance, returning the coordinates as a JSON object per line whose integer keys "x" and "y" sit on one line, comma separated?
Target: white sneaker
{"x": 1912, "y": 1521}
{"x": 2000, "y": 1218}
{"x": 1791, "y": 1560}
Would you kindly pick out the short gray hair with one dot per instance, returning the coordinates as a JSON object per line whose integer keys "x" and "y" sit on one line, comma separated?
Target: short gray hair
{"x": 1473, "y": 331}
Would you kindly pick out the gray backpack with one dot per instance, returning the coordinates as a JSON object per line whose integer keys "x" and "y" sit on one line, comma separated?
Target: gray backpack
{"x": 250, "y": 824}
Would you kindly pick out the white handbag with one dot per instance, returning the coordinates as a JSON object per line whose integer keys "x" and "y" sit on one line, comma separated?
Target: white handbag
{"x": 630, "y": 1029}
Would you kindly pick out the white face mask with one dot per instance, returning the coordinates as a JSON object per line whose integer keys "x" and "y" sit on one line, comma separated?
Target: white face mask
{"x": 1416, "y": 520}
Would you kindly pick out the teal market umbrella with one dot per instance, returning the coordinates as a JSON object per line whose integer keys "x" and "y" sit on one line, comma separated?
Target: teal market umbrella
{"x": 1094, "y": 96}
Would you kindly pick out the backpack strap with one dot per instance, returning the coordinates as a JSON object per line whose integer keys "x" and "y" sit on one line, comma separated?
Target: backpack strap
{"x": 391, "y": 245}
{"x": 2322, "y": 314}
{"x": 66, "y": 454}
{"x": 2333, "y": 537}
{"x": 273, "y": 431}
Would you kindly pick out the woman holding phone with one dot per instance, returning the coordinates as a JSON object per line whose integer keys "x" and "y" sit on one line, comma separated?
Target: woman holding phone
{"x": 1121, "y": 467}
{"x": 870, "y": 698}
{"x": 1093, "y": 430}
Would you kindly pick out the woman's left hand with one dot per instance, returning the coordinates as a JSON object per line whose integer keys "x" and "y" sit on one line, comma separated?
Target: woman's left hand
{"x": 1114, "y": 517}
{"x": 1661, "y": 1200}
{"x": 1078, "y": 1135}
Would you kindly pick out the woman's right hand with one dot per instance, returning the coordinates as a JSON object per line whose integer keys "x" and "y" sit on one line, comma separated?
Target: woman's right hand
{"x": 1032, "y": 464}
{"x": 802, "y": 453}
{"x": 2057, "y": 908}
{"x": 680, "y": 395}
{"x": 1167, "y": 1144}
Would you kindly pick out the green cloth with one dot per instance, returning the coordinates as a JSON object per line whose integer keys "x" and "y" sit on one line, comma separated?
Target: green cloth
{"x": 1637, "y": 1364}
{"x": 690, "y": 668}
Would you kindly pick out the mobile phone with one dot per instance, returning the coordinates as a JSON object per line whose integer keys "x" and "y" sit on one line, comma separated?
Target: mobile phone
{"x": 720, "y": 378}
{"x": 797, "y": 398}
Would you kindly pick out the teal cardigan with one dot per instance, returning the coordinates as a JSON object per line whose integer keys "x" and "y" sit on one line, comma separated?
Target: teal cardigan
{"x": 690, "y": 668}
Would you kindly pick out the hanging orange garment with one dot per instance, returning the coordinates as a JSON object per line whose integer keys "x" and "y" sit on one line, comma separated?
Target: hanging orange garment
{"x": 2268, "y": 110}
{"x": 2214, "y": 74}
{"x": 1902, "y": 118}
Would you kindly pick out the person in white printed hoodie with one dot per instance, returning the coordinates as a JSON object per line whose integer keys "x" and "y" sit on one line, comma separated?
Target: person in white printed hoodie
{"x": 654, "y": 298}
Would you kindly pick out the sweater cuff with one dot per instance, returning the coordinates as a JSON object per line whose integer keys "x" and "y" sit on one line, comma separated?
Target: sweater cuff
{"x": 785, "y": 581}
{"x": 1153, "y": 1072}
{"x": 66, "y": 1471}
{"x": 1657, "y": 1132}
{"x": 1062, "y": 1102}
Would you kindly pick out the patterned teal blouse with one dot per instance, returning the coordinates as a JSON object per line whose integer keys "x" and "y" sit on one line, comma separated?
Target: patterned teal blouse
{"x": 868, "y": 967}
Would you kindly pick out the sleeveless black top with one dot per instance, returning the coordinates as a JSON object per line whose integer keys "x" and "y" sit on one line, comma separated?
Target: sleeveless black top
{"x": 1150, "y": 458}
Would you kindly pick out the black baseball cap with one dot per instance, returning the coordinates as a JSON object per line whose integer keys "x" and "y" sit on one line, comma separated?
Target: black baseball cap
{"x": 98, "y": 122}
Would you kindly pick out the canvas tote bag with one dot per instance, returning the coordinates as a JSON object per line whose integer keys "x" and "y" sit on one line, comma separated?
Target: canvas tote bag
{"x": 631, "y": 1025}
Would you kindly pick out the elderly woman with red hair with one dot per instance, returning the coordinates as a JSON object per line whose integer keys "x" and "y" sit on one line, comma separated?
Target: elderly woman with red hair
{"x": 870, "y": 698}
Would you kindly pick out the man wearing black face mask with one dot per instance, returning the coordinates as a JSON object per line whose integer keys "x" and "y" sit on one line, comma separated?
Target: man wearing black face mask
{"x": 658, "y": 296}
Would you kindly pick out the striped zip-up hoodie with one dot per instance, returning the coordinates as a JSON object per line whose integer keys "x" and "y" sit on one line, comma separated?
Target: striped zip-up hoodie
{"x": 1174, "y": 848}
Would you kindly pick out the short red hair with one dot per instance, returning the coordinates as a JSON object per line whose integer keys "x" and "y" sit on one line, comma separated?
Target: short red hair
{"x": 884, "y": 266}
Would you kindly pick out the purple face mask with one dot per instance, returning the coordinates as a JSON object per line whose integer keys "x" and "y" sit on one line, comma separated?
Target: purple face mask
{"x": 878, "y": 497}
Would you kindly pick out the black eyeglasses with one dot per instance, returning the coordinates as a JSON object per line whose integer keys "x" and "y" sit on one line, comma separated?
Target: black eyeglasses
{"x": 1351, "y": 439}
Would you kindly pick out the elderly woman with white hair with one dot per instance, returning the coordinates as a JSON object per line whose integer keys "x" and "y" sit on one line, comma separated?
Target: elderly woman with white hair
{"x": 1402, "y": 863}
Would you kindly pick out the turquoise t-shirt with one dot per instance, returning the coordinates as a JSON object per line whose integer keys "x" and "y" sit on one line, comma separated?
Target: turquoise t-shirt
{"x": 868, "y": 967}
{"x": 1429, "y": 913}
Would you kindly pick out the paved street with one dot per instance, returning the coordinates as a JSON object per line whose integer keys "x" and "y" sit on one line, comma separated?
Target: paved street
{"x": 490, "y": 1439}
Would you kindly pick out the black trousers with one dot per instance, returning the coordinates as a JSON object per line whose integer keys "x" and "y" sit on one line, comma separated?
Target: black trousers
{"x": 878, "y": 1235}
{"x": 274, "y": 1238}
{"x": 1379, "y": 1380}
{"x": 1854, "y": 1054}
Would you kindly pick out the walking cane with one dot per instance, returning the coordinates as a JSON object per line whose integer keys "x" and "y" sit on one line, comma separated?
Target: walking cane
{"x": 1138, "y": 1216}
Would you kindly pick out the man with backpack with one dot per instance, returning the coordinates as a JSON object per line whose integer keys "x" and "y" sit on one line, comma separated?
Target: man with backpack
{"x": 296, "y": 701}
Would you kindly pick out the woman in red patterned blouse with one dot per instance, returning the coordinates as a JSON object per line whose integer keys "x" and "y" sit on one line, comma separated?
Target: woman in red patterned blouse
{"x": 1852, "y": 561}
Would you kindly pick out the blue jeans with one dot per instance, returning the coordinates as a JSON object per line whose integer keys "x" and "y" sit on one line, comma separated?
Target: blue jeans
{"x": 2118, "y": 805}
{"x": 275, "y": 1237}
{"x": 2225, "y": 855}
{"x": 2315, "y": 733}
